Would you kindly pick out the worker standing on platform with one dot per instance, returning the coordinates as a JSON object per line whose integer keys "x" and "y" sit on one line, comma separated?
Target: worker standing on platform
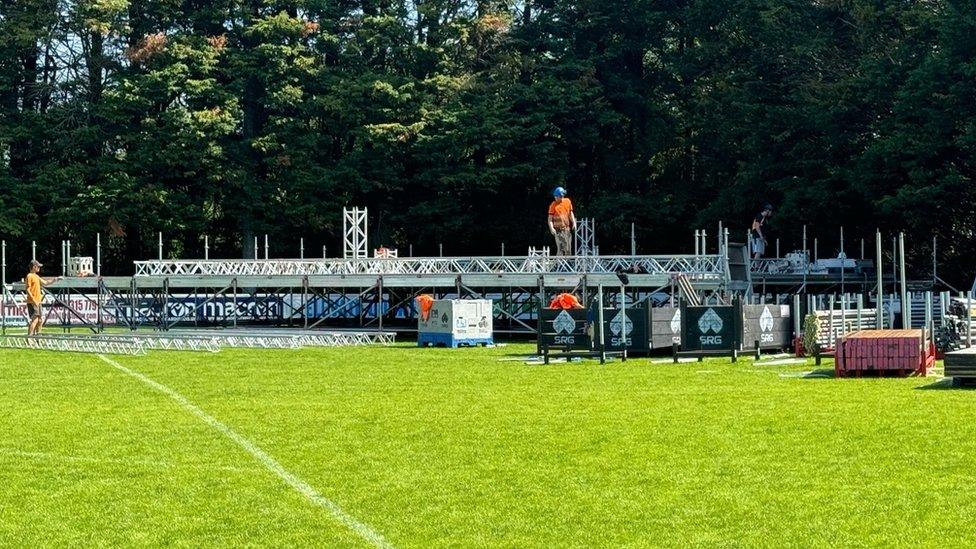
{"x": 562, "y": 221}
{"x": 758, "y": 244}
{"x": 33, "y": 283}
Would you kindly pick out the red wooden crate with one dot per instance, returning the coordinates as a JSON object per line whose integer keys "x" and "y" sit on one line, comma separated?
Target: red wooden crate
{"x": 880, "y": 351}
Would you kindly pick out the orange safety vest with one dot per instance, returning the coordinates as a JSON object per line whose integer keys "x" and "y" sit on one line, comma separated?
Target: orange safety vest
{"x": 426, "y": 302}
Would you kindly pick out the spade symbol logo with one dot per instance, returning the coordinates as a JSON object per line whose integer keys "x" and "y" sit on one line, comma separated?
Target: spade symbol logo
{"x": 676, "y": 322}
{"x": 710, "y": 321}
{"x": 766, "y": 320}
{"x": 564, "y": 323}
{"x": 619, "y": 323}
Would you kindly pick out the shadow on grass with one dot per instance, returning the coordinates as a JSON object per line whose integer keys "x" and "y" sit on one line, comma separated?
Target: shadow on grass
{"x": 948, "y": 384}
{"x": 819, "y": 373}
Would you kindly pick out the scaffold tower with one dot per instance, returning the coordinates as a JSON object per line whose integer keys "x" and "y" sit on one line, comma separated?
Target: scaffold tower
{"x": 354, "y": 233}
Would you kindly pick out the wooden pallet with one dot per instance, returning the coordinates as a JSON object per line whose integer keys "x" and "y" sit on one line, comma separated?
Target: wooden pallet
{"x": 884, "y": 352}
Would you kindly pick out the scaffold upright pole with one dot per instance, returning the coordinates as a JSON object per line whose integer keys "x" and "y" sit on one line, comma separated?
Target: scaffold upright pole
{"x": 633, "y": 239}
{"x": 905, "y": 307}
{"x": 3, "y": 287}
{"x": 878, "y": 274}
{"x": 623, "y": 319}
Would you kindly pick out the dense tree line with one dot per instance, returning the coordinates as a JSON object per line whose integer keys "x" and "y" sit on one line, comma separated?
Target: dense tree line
{"x": 452, "y": 119}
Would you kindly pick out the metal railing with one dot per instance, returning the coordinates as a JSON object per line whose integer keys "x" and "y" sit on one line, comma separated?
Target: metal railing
{"x": 771, "y": 266}
{"x": 701, "y": 267}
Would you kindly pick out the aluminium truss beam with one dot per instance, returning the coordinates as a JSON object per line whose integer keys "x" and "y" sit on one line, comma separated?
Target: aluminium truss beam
{"x": 585, "y": 238}
{"x": 354, "y": 233}
{"x": 74, "y": 344}
{"x": 300, "y": 338}
{"x": 702, "y": 267}
{"x": 160, "y": 342}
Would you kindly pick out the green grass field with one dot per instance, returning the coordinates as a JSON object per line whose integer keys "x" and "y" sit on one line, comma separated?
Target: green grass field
{"x": 460, "y": 448}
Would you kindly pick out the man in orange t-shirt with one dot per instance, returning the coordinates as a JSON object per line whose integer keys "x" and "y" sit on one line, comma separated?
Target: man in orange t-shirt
{"x": 562, "y": 221}
{"x": 33, "y": 283}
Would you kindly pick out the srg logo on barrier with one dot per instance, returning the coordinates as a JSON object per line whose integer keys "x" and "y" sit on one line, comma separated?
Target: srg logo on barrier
{"x": 766, "y": 326}
{"x": 710, "y": 328}
{"x": 563, "y": 323}
{"x": 710, "y": 322}
{"x": 676, "y": 326}
{"x": 564, "y": 328}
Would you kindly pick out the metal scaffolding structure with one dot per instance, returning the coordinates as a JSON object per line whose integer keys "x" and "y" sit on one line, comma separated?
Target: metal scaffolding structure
{"x": 354, "y": 233}
{"x": 75, "y": 344}
{"x": 700, "y": 267}
{"x": 210, "y": 341}
{"x": 585, "y": 238}
{"x": 373, "y": 294}
{"x": 170, "y": 342}
{"x": 269, "y": 338}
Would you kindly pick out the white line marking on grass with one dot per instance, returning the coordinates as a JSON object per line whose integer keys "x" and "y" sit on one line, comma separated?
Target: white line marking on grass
{"x": 300, "y": 486}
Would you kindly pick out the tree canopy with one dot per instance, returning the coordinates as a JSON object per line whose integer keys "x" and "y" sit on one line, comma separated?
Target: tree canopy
{"x": 452, "y": 120}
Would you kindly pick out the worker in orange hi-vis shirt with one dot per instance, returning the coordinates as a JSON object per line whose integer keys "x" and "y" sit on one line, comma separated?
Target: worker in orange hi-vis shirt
{"x": 565, "y": 301}
{"x": 426, "y": 302}
{"x": 562, "y": 221}
{"x": 34, "y": 282}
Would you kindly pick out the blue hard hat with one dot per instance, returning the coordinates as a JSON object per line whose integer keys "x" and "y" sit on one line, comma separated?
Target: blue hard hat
{"x": 559, "y": 191}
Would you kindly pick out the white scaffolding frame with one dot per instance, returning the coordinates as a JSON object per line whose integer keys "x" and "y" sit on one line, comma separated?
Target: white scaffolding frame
{"x": 698, "y": 268}
{"x": 75, "y": 344}
{"x": 167, "y": 342}
{"x": 585, "y": 238}
{"x": 270, "y": 338}
{"x": 354, "y": 233}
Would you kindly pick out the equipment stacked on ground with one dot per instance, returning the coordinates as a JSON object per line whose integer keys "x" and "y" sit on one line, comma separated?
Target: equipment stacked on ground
{"x": 961, "y": 365}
